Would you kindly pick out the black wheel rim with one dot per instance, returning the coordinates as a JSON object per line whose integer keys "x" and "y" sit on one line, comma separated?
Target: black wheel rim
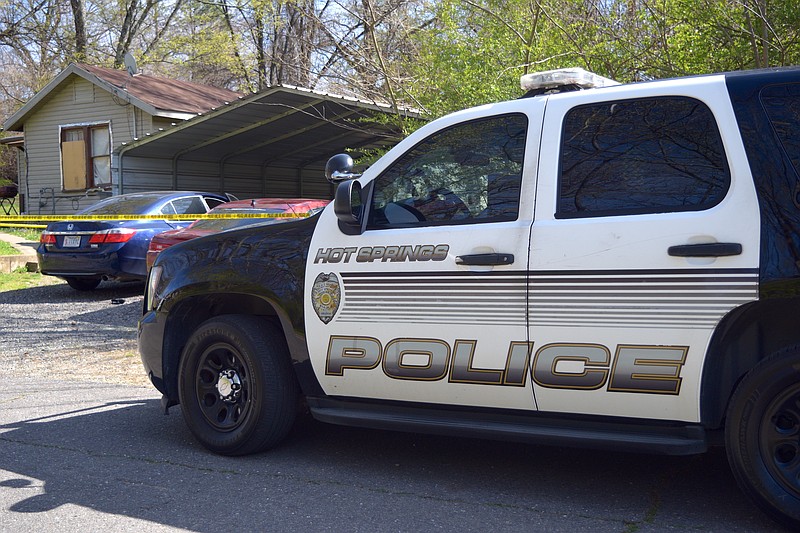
{"x": 223, "y": 387}
{"x": 780, "y": 439}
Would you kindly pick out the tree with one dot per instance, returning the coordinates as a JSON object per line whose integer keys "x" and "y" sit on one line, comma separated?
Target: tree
{"x": 437, "y": 55}
{"x": 473, "y": 51}
{"x": 735, "y": 34}
{"x": 272, "y": 41}
{"x": 80, "y": 28}
{"x": 32, "y": 36}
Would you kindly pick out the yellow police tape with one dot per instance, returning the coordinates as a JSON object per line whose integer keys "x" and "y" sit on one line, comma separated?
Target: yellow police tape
{"x": 22, "y": 226}
{"x": 71, "y": 218}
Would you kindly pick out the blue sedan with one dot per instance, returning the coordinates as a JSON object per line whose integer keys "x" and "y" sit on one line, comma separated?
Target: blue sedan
{"x": 86, "y": 252}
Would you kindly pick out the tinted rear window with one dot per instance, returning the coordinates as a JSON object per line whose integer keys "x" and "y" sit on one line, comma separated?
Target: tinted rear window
{"x": 782, "y": 105}
{"x": 649, "y": 155}
{"x": 121, "y": 205}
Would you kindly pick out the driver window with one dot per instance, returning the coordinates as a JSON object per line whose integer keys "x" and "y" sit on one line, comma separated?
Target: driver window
{"x": 469, "y": 173}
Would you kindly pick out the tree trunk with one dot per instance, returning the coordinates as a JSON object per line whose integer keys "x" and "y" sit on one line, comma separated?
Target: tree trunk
{"x": 80, "y": 29}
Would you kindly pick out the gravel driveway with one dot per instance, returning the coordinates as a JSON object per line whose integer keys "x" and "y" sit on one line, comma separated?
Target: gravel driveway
{"x": 57, "y": 332}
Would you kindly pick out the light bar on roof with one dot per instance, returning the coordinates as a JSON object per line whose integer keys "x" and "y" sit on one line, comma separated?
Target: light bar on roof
{"x": 553, "y": 79}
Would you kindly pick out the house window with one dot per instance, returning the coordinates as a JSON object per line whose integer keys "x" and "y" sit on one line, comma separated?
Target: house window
{"x": 86, "y": 157}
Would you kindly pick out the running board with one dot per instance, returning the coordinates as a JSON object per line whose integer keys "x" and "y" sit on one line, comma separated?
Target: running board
{"x": 616, "y": 434}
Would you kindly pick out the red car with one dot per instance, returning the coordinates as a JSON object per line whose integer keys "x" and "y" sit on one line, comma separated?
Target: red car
{"x": 299, "y": 207}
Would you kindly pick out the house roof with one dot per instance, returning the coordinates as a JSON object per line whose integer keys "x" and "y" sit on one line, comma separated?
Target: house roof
{"x": 161, "y": 97}
{"x": 13, "y": 140}
{"x": 166, "y": 94}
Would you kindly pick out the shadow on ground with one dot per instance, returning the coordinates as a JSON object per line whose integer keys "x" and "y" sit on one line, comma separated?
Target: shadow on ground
{"x": 121, "y": 457}
{"x": 63, "y": 293}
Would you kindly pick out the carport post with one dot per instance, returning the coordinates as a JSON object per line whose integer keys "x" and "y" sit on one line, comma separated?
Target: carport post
{"x": 117, "y": 157}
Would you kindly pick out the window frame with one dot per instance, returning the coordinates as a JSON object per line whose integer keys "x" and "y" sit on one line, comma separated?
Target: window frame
{"x": 86, "y": 129}
{"x": 632, "y": 211}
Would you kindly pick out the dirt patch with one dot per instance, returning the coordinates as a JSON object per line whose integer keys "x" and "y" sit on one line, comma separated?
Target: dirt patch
{"x": 122, "y": 367}
{"x": 59, "y": 333}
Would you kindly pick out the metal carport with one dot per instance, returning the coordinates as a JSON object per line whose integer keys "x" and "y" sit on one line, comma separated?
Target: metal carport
{"x": 271, "y": 144}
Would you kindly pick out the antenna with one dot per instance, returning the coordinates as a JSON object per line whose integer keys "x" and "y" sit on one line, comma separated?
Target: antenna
{"x": 130, "y": 64}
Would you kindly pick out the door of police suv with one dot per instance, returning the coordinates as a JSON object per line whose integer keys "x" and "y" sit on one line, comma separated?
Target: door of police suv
{"x": 643, "y": 240}
{"x": 429, "y": 302}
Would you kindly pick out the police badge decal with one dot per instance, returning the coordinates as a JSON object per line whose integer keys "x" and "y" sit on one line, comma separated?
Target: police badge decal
{"x": 325, "y": 296}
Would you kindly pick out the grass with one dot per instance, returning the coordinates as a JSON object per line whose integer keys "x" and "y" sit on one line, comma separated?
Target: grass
{"x": 29, "y": 234}
{"x": 22, "y": 279}
{"x": 7, "y": 249}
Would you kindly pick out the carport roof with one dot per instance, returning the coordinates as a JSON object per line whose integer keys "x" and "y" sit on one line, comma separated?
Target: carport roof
{"x": 282, "y": 126}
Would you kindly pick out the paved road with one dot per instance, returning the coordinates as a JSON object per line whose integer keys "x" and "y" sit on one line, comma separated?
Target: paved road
{"x": 85, "y": 457}
{"x": 78, "y": 455}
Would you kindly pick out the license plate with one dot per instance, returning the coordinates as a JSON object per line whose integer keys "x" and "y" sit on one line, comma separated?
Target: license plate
{"x": 72, "y": 241}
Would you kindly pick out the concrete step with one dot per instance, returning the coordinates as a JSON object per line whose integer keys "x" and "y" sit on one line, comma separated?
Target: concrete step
{"x": 26, "y": 257}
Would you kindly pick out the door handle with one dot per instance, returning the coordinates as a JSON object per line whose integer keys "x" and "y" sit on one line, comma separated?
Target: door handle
{"x": 711, "y": 249}
{"x": 485, "y": 259}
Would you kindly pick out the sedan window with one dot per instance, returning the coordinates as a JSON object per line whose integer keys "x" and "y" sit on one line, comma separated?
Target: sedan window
{"x": 213, "y": 202}
{"x": 191, "y": 205}
{"x": 121, "y": 205}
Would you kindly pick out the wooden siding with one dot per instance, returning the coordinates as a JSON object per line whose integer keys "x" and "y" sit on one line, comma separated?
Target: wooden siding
{"x": 77, "y": 101}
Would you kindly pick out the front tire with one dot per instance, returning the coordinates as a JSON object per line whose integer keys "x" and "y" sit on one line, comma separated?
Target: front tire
{"x": 236, "y": 387}
{"x": 762, "y": 435}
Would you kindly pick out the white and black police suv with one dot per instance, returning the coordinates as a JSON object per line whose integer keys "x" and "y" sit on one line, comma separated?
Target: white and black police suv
{"x": 601, "y": 265}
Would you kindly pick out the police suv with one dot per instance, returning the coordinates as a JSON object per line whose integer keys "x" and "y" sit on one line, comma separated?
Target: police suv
{"x": 602, "y": 265}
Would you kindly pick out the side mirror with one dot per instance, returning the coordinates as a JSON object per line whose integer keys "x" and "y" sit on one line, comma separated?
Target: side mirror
{"x": 347, "y": 203}
{"x": 340, "y": 168}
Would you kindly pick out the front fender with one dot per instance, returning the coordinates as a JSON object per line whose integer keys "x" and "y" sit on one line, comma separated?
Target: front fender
{"x": 257, "y": 271}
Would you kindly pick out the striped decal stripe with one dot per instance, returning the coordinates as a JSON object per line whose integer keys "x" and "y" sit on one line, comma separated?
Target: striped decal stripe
{"x": 646, "y": 298}
{"x": 678, "y": 299}
{"x": 436, "y": 298}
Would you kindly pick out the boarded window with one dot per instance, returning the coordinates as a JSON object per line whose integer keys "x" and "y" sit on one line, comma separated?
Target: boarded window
{"x": 73, "y": 157}
{"x": 86, "y": 157}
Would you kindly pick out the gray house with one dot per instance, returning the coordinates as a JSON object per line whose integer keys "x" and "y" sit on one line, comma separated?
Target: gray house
{"x": 72, "y": 126}
{"x": 93, "y": 132}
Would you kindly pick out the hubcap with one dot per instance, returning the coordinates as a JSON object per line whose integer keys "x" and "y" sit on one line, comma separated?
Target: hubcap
{"x": 780, "y": 439}
{"x": 222, "y": 386}
{"x": 229, "y": 385}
